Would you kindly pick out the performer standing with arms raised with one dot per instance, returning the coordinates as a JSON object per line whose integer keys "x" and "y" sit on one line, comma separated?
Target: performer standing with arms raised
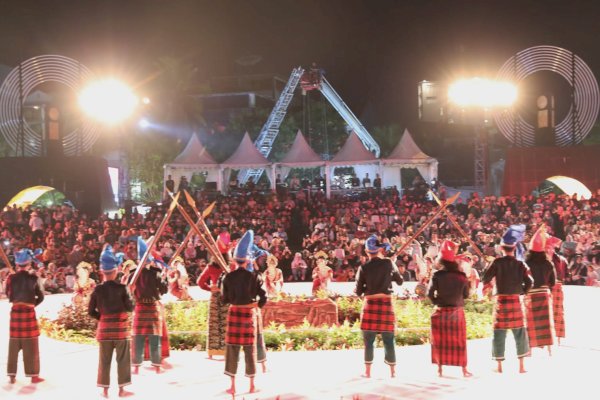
{"x": 374, "y": 280}
{"x": 147, "y": 322}
{"x": 242, "y": 288}
{"x": 448, "y": 289}
{"x": 537, "y": 301}
{"x": 560, "y": 269}
{"x": 24, "y": 292}
{"x": 512, "y": 279}
{"x": 217, "y": 313}
{"x": 111, "y": 303}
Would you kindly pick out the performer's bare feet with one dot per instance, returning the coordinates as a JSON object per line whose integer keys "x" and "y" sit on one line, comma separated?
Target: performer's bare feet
{"x": 466, "y": 372}
{"x": 136, "y": 370}
{"x": 440, "y": 370}
{"x": 37, "y": 379}
{"x": 124, "y": 393}
{"x": 367, "y": 373}
{"x": 158, "y": 369}
{"x": 393, "y": 371}
{"x": 550, "y": 351}
{"x": 231, "y": 390}
{"x": 522, "y": 365}
{"x": 104, "y": 393}
{"x": 499, "y": 369}
{"x": 253, "y": 388}
{"x": 12, "y": 379}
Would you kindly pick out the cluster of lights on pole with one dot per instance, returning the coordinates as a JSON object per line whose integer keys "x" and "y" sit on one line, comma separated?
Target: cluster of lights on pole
{"x": 110, "y": 101}
{"x": 479, "y": 92}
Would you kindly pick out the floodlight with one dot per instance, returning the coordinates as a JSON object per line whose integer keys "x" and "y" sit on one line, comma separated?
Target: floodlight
{"x": 108, "y": 101}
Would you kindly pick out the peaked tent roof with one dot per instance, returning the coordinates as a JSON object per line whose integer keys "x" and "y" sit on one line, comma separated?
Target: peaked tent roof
{"x": 301, "y": 154}
{"x": 246, "y": 156}
{"x": 194, "y": 154}
{"x": 407, "y": 151}
{"x": 353, "y": 152}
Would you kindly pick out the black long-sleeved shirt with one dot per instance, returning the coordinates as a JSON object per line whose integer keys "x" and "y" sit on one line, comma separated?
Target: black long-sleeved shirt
{"x": 376, "y": 277}
{"x": 512, "y": 276}
{"x": 22, "y": 287}
{"x": 448, "y": 288}
{"x": 543, "y": 273}
{"x": 110, "y": 297}
{"x": 149, "y": 285}
{"x": 242, "y": 287}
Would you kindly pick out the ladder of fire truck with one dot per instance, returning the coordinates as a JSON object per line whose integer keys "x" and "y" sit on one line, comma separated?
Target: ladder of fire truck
{"x": 270, "y": 129}
{"x": 355, "y": 125}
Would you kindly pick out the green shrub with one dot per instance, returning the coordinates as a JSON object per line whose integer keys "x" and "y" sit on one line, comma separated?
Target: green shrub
{"x": 187, "y": 324}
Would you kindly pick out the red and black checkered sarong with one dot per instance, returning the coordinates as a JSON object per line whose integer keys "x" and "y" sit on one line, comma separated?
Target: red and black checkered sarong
{"x": 558, "y": 310}
{"x": 539, "y": 319}
{"x": 23, "y": 322}
{"x": 378, "y": 315}
{"x": 147, "y": 319}
{"x": 449, "y": 336}
{"x": 241, "y": 326}
{"x": 114, "y": 327}
{"x": 508, "y": 313}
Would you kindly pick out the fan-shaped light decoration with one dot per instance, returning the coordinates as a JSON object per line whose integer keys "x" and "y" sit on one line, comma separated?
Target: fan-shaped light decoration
{"x": 577, "y": 123}
{"x": 21, "y": 81}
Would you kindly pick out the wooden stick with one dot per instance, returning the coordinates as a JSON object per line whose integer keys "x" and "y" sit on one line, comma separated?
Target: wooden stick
{"x": 6, "y": 260}
{"x": 460, "y": 229}
{"x": 188, "y": 236}
{"x": 153, "y": 240}
{"x": 428, "y": 222}
{"x": 192, "y": 204}
{"x": 214, "y": 252}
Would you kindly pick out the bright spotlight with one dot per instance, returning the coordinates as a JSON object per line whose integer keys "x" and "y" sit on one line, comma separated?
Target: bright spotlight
{"x": 144, "y": 123}
{"x": 482, "y": 92}
{"x": 145, "y": 100}
{"x": 108, "y": 100}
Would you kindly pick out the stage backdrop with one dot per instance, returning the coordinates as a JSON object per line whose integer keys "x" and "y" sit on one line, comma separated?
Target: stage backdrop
{"x": 527, "y": 167}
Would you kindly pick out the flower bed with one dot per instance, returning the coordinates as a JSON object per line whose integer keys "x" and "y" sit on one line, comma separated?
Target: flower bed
{"x": 187, "y": 323}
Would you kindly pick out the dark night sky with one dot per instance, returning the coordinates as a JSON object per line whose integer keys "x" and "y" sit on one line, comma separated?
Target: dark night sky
{"x": 374, "y": 51}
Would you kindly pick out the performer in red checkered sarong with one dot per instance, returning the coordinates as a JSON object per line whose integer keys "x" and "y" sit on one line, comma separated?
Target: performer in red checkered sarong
{"x": 148, "y": 319}
{"x": 540, "y": 328}
{"x": 111, "y": 303}
{"x": 512, "y": 277}
{"x": 560, "y": 268}
{"x": 448, "y": 289}
{"x": 24, "y": 292}
{"x": 242, "y": 289}
{"x": 374, "y": 280}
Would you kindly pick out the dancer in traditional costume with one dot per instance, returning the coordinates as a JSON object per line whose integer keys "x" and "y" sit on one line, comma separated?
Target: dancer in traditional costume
{"x": 111, "y": 303}
{"x": 512, "y": 278}
{"x": 84, "y": 285}
{"x": 243, "y": 290}
{"x": 374, "y": 280}
{"x": 448, "y": 288}
{"x": 538, "y": 302}
{"x": 148, "y": 312}
{"x": 217, "y": 313}
{"x": 322, "y": 274}
{"x": 560, "y": 268}
{"x": 24, "y": 292}
{"x": 273, "y": 277}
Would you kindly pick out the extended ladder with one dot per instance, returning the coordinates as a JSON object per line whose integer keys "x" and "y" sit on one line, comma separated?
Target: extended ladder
{"x": 270, "y": 129}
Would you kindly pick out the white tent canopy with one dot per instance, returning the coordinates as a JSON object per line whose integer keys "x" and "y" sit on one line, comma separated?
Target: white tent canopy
{"x": 300, "y": 155}
{"x": 194, "y": 158}
{"x": 246, "y": 156}
{"x": 407, "y": 154}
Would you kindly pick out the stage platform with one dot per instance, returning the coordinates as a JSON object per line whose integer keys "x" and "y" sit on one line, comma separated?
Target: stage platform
{"x": 70, "y": 369}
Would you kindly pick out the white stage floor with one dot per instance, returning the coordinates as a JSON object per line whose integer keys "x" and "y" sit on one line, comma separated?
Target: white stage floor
{"x": 70, "y": 369}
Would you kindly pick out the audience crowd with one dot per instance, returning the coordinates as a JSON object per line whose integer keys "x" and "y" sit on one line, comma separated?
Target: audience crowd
{"x": 295, "y": 226}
